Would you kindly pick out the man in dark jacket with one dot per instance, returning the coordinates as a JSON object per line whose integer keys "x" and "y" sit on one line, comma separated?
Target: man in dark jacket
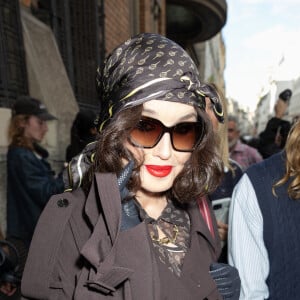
{"x": 273, "y": 138}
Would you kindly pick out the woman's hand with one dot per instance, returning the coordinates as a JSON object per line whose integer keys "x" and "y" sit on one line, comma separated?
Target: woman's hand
{"x": 223, "y": 230}
{"x": 227, "y": 280}
{"x": 130, "y": 215}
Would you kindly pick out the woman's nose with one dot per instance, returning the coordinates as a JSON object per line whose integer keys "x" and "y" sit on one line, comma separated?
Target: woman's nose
{"x": 164, "y": 147}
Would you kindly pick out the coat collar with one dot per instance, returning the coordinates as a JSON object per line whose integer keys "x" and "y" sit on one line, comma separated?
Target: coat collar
{"x": 109, "y": 268}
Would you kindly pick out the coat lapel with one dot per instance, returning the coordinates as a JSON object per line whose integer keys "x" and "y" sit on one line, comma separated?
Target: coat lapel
{"x": 114, "y": 256}
{"x": 101, "y": 248}
{"x": 199, "y": 225}
{"x": 199, "y": 257}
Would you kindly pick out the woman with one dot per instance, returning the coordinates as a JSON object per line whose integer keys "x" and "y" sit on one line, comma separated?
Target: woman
{"x": 30, "y": 180}
{"x": 155, "y": 137}
{"x": 217, "y": 111}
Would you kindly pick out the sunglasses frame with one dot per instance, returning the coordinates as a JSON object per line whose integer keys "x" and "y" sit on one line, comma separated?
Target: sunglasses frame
{"x": 170, "y": 130}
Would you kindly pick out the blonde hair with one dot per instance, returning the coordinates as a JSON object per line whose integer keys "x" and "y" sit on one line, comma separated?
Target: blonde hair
{"x": 292, "y": 165}
{"x": 15, "y": 133}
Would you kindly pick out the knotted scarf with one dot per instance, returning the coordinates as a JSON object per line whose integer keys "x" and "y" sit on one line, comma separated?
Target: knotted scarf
{"x": 147, "y": 67}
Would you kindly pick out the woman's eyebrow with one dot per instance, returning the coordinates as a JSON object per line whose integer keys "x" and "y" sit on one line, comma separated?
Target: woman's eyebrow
{"x": 182, "y": 118}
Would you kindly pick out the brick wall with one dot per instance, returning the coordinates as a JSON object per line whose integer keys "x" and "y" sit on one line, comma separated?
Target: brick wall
{"x": 147, "y": 21}
{"x": 117, "y": 23}
{"x": 118, "y": 16}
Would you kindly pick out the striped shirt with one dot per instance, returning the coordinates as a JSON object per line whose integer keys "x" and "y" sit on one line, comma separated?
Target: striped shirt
{"x": 246, "y": 248}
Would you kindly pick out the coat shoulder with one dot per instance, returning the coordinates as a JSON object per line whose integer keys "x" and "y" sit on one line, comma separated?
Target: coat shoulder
{"x": 48, "y": 240}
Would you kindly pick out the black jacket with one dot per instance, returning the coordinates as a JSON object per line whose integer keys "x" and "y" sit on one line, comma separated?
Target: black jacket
{"x": 30, "y": 184}
{"x": 267, "y": 145}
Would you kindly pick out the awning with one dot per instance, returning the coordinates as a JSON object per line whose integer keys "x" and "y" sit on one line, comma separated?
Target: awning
{"x": 191, "y": 21}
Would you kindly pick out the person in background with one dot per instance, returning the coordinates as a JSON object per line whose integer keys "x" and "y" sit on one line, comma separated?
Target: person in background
{"x": 30, "y": 179}
{"x": 9, "y": 265}
{"x": 243, "y": 154}
{"x": 134, "y": 229}
{"x": 273, "y": 138}
{"x": 217, "y": 111}
{"x": 83, "y": 132}
{"x": 264, "y": 232}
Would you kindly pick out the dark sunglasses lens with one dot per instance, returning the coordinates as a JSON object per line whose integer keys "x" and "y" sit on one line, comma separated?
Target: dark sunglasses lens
{"x": 146, "y": 133}
{"x": 186, "y": 136}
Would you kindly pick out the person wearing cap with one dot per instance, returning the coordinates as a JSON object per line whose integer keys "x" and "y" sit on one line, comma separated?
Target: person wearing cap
{"x": 132, "y": 229}
{"x": 30, "y": 179}
{"x": 273, "y": 138}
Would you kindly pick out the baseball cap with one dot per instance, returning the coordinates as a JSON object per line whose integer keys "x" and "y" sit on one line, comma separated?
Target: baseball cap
{"x": 26, "y": 105}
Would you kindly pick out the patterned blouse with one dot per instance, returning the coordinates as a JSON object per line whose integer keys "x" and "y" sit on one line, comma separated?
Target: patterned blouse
{"x": 174, "y": 222}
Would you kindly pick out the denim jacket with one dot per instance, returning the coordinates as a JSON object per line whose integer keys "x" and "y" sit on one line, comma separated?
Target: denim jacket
{"x": 30, "y": 184}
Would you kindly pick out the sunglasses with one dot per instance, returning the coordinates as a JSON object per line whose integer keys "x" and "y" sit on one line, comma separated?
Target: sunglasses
{"x": 184, "y": 136}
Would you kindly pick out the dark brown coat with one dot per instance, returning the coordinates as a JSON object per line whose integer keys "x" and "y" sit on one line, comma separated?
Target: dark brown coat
{"x": 78, "y": 252}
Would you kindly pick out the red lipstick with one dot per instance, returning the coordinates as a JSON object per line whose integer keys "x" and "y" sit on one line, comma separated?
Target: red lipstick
{"x": 159, "y": 171}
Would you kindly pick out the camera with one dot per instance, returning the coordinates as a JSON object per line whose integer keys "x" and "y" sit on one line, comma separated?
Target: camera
{"x": 9, "y": 263}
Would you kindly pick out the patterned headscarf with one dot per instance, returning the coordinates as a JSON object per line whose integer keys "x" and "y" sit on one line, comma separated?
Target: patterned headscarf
{"x": 147, "y": 67}
{"x": 210, "y": 91}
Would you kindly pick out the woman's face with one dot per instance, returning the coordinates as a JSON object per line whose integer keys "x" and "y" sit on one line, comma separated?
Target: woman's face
{"x": 161, "y": 164}
{"x": 211, "y": 114}
{"x": 35, "y": 129}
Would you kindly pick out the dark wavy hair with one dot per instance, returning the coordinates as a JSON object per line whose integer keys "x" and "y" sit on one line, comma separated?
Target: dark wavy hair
{"x": 200, "y": 175}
